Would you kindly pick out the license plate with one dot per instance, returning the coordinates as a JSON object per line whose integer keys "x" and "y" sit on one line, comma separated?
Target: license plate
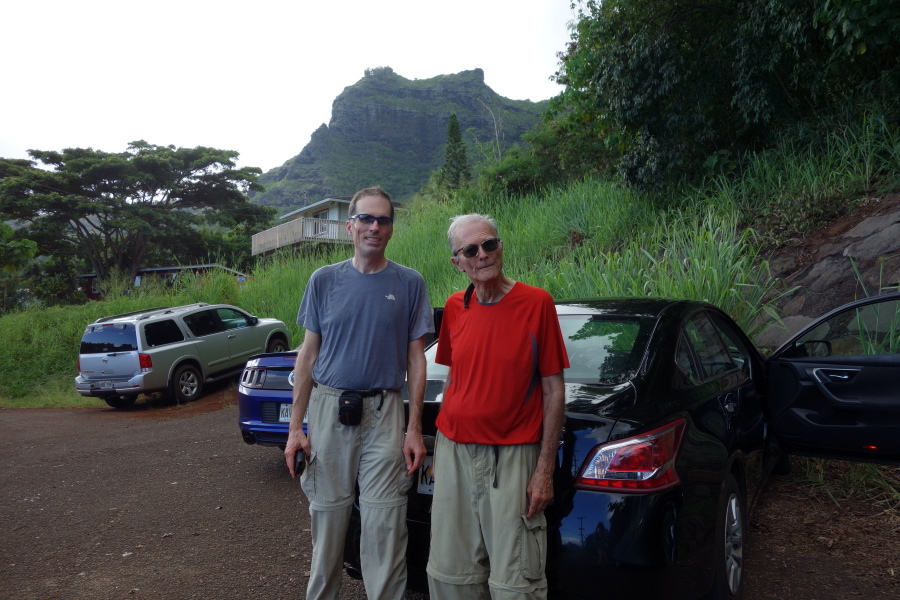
{"x": 284, "y": 415}
{"x": 426, "y": 477}
{"x": 106, "y": 385}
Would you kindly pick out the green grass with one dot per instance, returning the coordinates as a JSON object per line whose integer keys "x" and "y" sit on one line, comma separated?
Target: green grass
{"x": 838, "y": 481}
{"x": 590, "y": 239}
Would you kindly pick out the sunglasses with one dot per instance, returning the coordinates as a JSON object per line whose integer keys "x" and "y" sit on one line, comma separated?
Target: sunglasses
{"x": 369, "y": 219}
{"x": 470, "y": 251}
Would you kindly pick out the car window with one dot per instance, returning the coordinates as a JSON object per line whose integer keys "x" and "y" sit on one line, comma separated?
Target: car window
{"x": 232, "y": 319}
{"x": 162, "y": 333}
{"x": 864, "y": 331}
{"x": 735, "y": 344}
{"x": 202, "y": 323}
{"x": 433, "y": 369}
{"x": 711, "y": 352}
{"x": 687, "y": 374}
{"x": 109, "y": 337}
{"x": 601, "y": 349}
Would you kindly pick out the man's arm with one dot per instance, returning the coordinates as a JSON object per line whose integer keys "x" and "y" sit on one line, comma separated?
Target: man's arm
{"x": 540, "y": 488}
{"x": 303, "y": 384}
{"x": 413, "y": 446}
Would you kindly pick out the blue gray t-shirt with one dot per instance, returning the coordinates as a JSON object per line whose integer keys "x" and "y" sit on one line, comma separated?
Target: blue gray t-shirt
{"x": 366, "y": 323}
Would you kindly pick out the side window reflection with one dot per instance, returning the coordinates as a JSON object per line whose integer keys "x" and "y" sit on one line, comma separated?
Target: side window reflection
{"x": 864, "y": 331}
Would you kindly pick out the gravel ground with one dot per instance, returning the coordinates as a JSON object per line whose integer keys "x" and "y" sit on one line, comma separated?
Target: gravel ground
{"x": 169, "y": 503}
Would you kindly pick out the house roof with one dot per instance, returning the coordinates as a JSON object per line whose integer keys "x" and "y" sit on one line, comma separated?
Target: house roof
{"x": 338, "y": 199}
{"x": 175, "y": 268}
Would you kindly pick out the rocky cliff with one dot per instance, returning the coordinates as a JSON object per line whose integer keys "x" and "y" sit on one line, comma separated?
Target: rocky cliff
{"x": 855, "y": 256}
{"x": 391, "y": 131}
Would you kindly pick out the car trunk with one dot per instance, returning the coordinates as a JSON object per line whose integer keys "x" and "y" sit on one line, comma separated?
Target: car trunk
{"x": 109, "y": 351}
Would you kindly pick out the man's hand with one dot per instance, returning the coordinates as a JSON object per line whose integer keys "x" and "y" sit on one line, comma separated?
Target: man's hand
{"x": 539, "y": 492}
{"x": 414, "y": 451}
{"x": 297, "y": 442}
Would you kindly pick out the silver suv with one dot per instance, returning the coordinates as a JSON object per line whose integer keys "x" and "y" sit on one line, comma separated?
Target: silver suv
{"x": 171, "y": 349}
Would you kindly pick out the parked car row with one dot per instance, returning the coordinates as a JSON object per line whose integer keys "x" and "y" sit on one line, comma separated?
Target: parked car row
{"x": 176, "y": 350}
{"x": 674, "y": 420}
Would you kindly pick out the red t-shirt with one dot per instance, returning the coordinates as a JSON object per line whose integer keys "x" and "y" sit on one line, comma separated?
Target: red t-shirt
{"x": 497, "y": 354}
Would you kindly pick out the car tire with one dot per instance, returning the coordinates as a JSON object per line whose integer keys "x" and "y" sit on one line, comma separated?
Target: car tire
{"x": 121, "y": 402}
{"x": 277, "y": 344}
{"x": 728, "y": 552}
{"x": 187, "y": 384}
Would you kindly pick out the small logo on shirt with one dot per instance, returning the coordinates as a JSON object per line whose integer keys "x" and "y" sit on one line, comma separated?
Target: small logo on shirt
{"x": 390, "y": 297}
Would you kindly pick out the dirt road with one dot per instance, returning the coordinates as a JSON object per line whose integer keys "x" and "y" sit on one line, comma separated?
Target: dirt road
{"x": 169, "y": 503}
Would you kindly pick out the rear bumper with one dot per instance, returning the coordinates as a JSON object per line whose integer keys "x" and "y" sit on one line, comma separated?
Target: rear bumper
{"x": 96, "y": 388}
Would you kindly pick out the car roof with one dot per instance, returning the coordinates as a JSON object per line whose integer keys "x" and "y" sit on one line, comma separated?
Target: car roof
{"x": 149, "y": 313}
{"x": 634, "y": 307}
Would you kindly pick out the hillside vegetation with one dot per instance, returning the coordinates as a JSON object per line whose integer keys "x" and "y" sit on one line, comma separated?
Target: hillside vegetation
{"x": 592, "y": 238}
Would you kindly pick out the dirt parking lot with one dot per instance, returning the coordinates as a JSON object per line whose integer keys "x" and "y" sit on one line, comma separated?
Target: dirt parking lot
{"x": 169, "y": 503}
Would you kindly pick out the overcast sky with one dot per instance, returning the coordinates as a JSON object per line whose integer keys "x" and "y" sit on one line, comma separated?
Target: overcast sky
{"x": 257, "y": 77}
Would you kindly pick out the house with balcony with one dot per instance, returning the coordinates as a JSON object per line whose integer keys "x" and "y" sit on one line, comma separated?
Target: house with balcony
{"x": 321, "y": 222}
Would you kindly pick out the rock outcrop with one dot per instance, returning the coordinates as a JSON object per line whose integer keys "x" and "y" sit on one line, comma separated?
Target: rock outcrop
{"x": 391, "y": 131}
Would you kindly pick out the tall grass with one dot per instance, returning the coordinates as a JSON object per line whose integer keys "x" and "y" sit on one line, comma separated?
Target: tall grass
{"x": 590, "y": 239}
{"x": 814, "y": 173}
{"x": 593, "y": 238}
{"x": 839, "y": 481}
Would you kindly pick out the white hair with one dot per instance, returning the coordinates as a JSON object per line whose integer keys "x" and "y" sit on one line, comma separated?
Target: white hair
{"x": 460, "y": 220}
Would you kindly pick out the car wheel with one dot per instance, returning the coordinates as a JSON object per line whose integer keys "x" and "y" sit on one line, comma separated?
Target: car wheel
{"x": 121, "y": 401}
{"x": 187, "y": 384}
{"x": 277, "y": 345}
{"x": 729, "y": 542}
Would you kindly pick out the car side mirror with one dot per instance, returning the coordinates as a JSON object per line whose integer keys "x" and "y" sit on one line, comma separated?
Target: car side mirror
{"x": 254, "y": 320}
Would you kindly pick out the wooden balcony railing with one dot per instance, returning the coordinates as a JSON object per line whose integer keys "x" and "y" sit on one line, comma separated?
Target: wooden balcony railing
{"x": 300, "y": 231}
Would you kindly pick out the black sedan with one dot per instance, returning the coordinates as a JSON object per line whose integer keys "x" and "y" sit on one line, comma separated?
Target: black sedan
{"x": 673, "y": 422}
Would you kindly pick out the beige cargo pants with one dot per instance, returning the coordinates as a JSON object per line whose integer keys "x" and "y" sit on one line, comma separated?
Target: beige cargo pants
{"x": 372, "y": 454}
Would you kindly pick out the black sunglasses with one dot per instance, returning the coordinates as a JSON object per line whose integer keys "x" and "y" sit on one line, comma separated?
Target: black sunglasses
{"x": 489, "y": 245}
{"x": 369, "y": 219}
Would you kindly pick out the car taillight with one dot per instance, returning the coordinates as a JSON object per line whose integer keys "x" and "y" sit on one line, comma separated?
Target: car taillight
{"x": 644, "y": 463}
{"x": 253, "y": 377}
{"x": 146, "y": 362}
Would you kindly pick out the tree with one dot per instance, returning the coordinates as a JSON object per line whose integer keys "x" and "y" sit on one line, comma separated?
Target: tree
{"x": 14, "y": 254}
{"x": 455, "y": 172}
{"x": 679, "y": 83}
{"x": 116, "y": 209}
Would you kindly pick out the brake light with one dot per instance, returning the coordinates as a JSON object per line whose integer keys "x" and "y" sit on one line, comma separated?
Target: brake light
{"x": 253, "y": 377}
{"x": 146, "y": 362}
{"x": 644, "y": 463}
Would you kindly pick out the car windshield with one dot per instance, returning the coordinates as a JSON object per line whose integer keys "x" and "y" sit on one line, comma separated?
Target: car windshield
{"x": 109, "y": 337}
{"x": 602, "y": 349}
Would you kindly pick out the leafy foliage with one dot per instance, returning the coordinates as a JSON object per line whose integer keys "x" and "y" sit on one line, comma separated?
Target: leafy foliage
{"x": 117, "y": 210}
{"x": 14, "y": 254}
{"x": 683, "y": 88}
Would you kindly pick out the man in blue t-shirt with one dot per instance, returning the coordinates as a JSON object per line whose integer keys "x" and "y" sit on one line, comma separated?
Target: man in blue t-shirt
{"x": 365, "y": 319}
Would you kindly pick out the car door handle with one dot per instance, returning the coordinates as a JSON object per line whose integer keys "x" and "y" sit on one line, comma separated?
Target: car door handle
{"x": 232, "y": 336}
{"x": 823, "y": 377}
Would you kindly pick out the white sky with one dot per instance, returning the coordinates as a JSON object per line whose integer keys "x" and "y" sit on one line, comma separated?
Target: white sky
{"x": 257, "y": 76}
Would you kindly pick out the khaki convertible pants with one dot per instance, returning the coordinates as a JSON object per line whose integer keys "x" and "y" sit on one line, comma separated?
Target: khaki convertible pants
{"x": 372, "y": 453}
{"x": 481, "y": 544}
